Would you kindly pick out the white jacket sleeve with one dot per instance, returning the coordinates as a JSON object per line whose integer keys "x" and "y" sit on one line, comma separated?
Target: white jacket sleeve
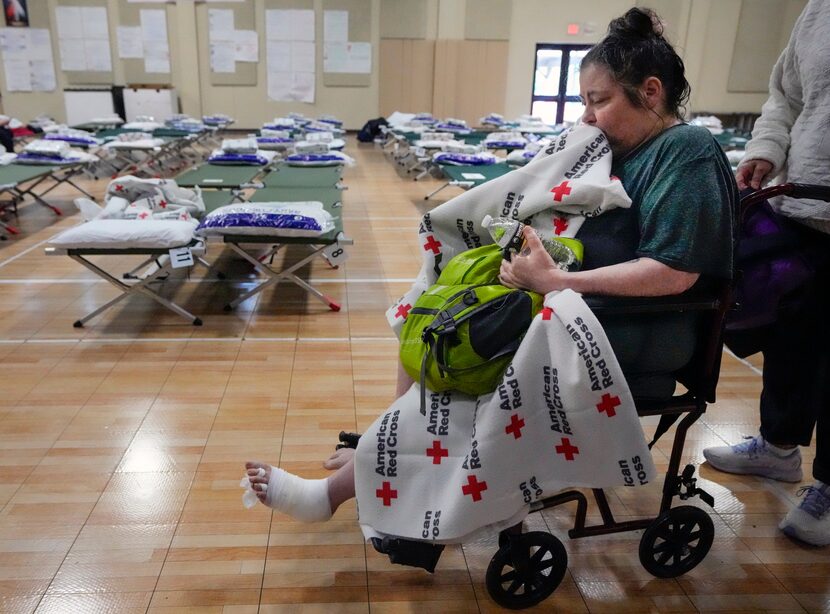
{"x": 771, "y": 134}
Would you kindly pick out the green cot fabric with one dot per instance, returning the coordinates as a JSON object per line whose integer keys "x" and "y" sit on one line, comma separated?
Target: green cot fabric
{"x": 304, "y": 176}
{"x": 218, "y": 176}
{"x": 489, "y": 172}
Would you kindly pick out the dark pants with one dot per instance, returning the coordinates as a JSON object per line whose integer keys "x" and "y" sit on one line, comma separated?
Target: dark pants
{"x": 796, "y": 349}
{"x": 6, "y": 139}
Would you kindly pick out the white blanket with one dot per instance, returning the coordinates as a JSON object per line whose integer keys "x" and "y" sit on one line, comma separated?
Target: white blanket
{"x": 565, "y": 183}
{"x": 563, "y": 416}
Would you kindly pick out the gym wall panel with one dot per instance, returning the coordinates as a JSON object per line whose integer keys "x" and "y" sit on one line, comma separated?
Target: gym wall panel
{"x": 360, "y": 31}
{"x": 88, "y": 77}
{"x": 406, "y": 75}
{"x": 129, "y": 14}
{"x": 753, "y": 57}
{"x": 470, "y": 78}
{"x": 244, "y": 18}
{"x": 487, "y": 20}
{"x": 403, "y": 19}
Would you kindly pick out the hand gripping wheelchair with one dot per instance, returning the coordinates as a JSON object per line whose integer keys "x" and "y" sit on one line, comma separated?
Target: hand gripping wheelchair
{"x": 528, "y": 567}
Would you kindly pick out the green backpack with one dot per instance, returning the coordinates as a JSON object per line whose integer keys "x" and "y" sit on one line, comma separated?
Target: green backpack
{"x": 463, "y": 331}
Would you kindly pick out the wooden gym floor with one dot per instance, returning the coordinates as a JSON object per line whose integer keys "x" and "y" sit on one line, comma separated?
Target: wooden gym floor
{"x": 122, "y": 445}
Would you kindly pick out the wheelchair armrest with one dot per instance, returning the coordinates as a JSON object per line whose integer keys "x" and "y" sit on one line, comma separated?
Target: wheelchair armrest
{"x": 693, "y": 300}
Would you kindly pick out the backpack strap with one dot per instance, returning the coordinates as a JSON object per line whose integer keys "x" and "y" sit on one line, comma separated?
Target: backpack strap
{"x": 435, "y": 334}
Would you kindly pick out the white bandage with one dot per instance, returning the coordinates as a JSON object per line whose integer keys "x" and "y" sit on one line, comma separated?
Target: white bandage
{"x": 304, "y": 500}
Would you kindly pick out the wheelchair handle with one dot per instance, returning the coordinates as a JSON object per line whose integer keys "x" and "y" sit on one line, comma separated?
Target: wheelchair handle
{"x": 794, "y": 190}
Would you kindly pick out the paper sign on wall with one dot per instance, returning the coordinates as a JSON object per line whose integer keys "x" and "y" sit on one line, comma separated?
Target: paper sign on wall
{"x": 83, "y": 38}
{"x": 229, "y": 45}
{"x": 290, "y": 55}
{"x": 339, "y": 54}
{"x": 27, "y": 59}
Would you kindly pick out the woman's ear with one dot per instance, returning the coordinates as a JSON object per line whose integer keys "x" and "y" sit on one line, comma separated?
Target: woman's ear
{"x": 652, "y": 91}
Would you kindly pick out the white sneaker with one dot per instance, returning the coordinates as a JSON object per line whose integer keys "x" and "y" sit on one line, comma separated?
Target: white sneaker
{"x": 810, "y": 521}
{"x": 755, "y": 457}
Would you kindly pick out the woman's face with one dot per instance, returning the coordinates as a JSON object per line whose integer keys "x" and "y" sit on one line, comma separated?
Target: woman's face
{"x": 608, "y": 108}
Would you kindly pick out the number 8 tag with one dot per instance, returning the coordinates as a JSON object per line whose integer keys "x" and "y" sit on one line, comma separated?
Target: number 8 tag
{"x": 335, "y": 254}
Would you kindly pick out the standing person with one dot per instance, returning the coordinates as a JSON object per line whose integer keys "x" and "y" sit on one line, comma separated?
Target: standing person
{"x": 791, "y": 139}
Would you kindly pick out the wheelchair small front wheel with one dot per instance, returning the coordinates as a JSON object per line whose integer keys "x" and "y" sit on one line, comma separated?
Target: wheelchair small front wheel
{"x": 676, "y": 541}
{"x": 526, "y": 570}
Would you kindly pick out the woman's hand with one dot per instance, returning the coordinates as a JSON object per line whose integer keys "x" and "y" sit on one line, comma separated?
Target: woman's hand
{"x": 753, "y": 173}
{"x": 532, "y": 268}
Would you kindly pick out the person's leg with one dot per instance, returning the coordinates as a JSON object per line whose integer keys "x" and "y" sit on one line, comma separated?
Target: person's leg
{"x": 810, "y": 520}
{"x": 7, "y": 139}
{"x": 821, "y": 464}
{"x": 306, "y": 500}
{"x": 794, "y": 390}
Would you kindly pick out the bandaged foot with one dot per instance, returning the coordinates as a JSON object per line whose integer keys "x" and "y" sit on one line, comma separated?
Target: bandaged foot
{"x": 304, "y": 500}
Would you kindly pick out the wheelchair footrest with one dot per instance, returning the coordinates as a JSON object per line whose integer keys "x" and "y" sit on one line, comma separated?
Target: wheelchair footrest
{"x": 347, "y": 440}
{"x": 408, "y": 552}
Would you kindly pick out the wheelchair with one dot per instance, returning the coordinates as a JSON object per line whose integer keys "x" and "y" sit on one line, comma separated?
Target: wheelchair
{"x": 528, "y": 567}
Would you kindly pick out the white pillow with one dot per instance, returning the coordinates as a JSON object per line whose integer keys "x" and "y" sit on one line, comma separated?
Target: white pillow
{"x": 294, "y": 219}
{"x": 126, "y": 234}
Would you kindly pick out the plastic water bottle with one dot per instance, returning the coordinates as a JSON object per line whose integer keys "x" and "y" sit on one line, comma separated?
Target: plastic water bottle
{"x": 508, "y": 234}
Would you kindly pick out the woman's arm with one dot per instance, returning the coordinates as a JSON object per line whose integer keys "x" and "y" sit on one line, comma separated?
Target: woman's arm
{"x": 533, "y": 269}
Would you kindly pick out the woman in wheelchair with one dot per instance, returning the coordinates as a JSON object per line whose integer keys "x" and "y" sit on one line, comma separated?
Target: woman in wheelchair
{"x": 677, "y": 233}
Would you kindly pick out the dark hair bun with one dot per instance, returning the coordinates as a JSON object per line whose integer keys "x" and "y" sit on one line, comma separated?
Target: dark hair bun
{"x": 636, "y": 23}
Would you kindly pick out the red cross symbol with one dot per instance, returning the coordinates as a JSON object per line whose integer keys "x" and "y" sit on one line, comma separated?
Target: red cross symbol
{"x": 563, "y": 189}
{"x": 119, "y": 188}
{"x": 474, "y": 488}
{"x": 547, "y": 312}
{"x": 437, "y": 452}
{"x": 567, "y": 449}
{"x": 143, "y": 215}
{"x": 403, "y": 311}
{"x": 515, "y": 426}
{"x": 432, "y": 244}
{"x": 559, "y": 225}
{"x": 607, "y": 404}
{"x": 163, "y": 204}
{"x": 387, "y": 494}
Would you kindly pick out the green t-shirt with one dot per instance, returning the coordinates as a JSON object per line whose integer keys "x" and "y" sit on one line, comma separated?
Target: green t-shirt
{"x": 683, "y": 197}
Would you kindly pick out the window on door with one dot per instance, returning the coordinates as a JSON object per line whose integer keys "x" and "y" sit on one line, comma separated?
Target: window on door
{"x": 556, "y": 83}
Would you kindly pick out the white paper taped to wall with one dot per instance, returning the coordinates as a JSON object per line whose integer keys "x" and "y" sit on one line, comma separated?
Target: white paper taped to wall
{"x": 290, "y": 55}
{"x": 83, "y": 38}
{"x": 27, "y": 59}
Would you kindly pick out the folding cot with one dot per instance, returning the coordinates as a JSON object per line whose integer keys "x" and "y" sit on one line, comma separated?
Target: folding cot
{"x": 163, "y": 250}
{"x": 467, "y": 177}
{"x": 20, "y": 180}
{"x": 330, "y": 196}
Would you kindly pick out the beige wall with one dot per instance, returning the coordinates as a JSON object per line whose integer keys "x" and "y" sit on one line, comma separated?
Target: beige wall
{"x": 249, "y": 105}
{"x": 703, "y": 30}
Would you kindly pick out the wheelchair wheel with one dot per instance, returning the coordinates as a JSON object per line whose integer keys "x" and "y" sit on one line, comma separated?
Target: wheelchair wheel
{"x": 526, "y": 570}
{"x": 677, "y": 541}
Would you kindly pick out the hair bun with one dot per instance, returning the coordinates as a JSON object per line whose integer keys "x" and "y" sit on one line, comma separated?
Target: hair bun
{"x": 637, "y": 23}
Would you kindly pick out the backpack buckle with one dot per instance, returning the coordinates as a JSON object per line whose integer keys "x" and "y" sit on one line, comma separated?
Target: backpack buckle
{"x": 469, "y": 297}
